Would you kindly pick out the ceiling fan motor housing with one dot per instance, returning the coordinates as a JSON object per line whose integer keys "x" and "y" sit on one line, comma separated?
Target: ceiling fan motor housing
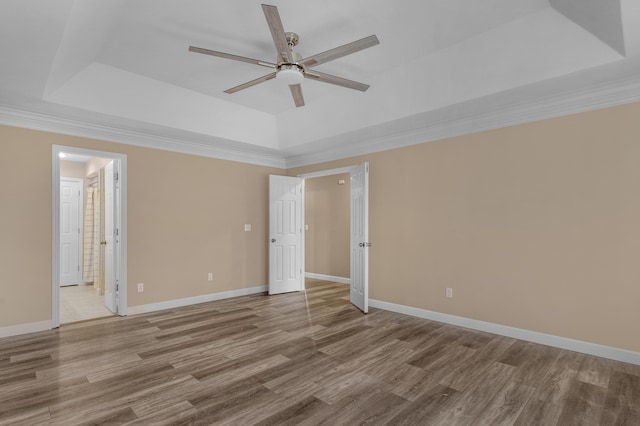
{"x": 291, "y": 73}
{"x": 296, "y": 57}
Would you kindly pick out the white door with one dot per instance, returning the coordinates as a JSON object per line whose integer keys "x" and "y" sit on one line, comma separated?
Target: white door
{"x": 285, "y": 234}
{"x": 110, "y": 230}
{"x": 70, "y": 214}
{"x": 360, "y": 237}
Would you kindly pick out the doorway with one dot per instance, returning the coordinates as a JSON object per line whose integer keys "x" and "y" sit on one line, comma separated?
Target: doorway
{"x": 359, "y": 230}
{"x": 327, "y": 228}
{"x": 100, "y": 286}
{"x": 287, "y": 255}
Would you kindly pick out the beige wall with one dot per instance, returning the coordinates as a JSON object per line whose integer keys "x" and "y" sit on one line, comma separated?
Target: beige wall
{"x": 186, "y": 218}
{"x": 94, "y": 164}
{"x": 72, "y": 169}
{"x": 535, "y": 226}
{"x": 327, "y": 215}
{"x": 25, "y": 229}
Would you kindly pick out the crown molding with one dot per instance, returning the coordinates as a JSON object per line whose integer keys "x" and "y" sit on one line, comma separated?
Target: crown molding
{"x": 457, "y": 120}
{"x": 585, "y": 99}
{"x": 51, "y": 123}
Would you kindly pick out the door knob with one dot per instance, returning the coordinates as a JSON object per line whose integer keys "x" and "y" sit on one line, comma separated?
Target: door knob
{"x": 273, "y": 240}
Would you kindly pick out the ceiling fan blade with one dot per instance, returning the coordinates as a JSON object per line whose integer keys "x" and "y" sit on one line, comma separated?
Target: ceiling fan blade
{"x": 230, "y": 56}
{"x": 338, "y": 81}
{"x": 296, "y": 92}
{"x": 339, "y": 52}
{"x": 251, "y": 83}
{"x": 277, "y": 32}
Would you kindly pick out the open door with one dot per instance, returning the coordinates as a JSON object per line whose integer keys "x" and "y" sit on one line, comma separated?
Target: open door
{"x": 111, "y": 239}
{"x": 285, "y": 234}
{"x": 360, "y": 237}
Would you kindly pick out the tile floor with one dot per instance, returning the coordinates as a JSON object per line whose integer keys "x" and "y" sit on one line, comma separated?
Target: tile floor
{"x": 80, "y": 302}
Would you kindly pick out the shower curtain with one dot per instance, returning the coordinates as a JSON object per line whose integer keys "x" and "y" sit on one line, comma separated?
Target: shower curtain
{"x": 93, "y": 265}
{"x": 89, "y": 237}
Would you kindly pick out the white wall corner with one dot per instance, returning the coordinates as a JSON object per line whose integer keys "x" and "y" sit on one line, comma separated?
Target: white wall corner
{"x": 516, "y": 333}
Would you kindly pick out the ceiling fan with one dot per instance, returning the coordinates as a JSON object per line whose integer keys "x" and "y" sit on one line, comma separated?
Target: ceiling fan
{"x": 290, "y": 66}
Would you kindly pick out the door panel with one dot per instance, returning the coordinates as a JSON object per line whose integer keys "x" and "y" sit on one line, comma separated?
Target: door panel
{"x": 360, "y": 237}
{"x": 285, "y": 234}
{"x": 70, "y": 214}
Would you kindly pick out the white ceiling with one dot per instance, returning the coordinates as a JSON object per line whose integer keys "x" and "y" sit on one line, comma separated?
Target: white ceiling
{"x": 120, "y": 70}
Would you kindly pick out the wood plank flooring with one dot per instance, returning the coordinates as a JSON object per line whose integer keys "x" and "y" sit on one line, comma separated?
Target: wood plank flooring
{"x": 302, "y": 359}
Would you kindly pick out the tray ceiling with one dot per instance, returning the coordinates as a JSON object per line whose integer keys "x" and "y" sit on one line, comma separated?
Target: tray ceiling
{"x": 121, "y": 69}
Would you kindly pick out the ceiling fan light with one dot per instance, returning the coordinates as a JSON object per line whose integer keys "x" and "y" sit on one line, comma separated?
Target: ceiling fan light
{"x": 290, "y": 76}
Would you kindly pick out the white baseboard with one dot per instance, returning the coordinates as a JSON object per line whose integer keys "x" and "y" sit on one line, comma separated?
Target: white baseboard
{"x": 176, "y": 303}
{"x": 517, "y": 333}
{"x": 323, "y": 277}
{"x": 32, "y": 327}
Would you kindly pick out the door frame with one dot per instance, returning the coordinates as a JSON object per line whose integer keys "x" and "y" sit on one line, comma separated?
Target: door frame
{"x": 80, "y": 221}
{"x": 55, "y": 226}
{"x": 322, "y": 173}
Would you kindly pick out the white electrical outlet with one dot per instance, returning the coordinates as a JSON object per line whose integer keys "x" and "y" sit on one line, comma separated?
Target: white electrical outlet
{"x": 210, "y": 276}
{"x": 140, "y": 287}
{"x": 247, "y": 227}
{"x": 449, "y": 292}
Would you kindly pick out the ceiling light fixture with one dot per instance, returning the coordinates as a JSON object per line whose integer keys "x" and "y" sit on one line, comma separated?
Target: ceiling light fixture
{"x": 290, "y": 67}
{"x": 290, "y": 74}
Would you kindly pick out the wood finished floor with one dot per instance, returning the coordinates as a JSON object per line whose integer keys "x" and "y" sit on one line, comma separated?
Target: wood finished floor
{"x": 302, "y": 359}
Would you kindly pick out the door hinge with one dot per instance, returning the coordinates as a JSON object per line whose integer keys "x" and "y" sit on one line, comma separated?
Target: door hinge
{"x": 116, "y": 232}
{"x": 115, "y": 176}
{"x": 78, "y": 268}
